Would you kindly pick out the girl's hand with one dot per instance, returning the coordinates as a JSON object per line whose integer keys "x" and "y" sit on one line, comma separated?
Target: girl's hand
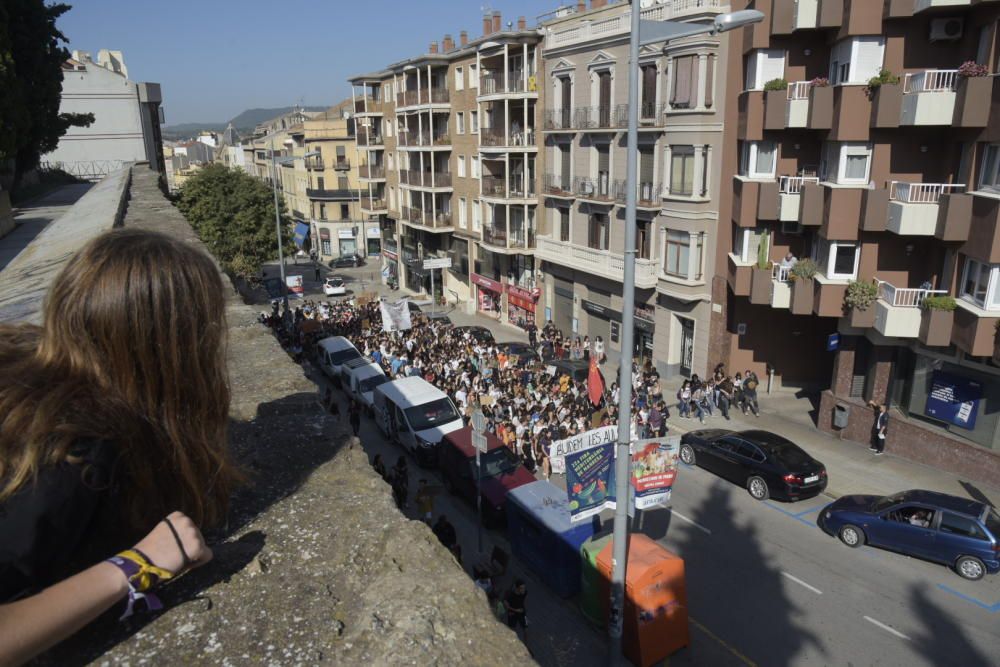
{"x": 185, "y": 551}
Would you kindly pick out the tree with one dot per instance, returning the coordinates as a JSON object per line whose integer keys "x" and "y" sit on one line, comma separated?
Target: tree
{"x": 31, "y": 60}
{"x": 233, "y": 214}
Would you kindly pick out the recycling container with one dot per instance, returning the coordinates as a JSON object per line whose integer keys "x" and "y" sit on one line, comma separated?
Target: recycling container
{"x": 591, "y": 589}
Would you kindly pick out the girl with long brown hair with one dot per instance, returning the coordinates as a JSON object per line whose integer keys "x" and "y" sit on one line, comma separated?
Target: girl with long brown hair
{"x": 113, "y": 416}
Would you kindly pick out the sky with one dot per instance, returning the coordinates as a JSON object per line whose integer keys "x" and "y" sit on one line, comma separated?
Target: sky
{"x": 216, "y": 58}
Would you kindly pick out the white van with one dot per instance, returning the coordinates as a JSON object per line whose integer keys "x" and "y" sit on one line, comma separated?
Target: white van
{"x": 416, "y": 414}
{"x": 333, "y": 352}
{"x": 360, "y": 383}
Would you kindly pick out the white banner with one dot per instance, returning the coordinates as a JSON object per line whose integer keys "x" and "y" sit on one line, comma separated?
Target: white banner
{"x": 560, "y": 448}
{"x": 395, "y": 316}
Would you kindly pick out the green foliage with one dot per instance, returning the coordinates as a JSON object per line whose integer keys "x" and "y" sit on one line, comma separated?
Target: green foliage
{"x": 763, "y": 249}
{"x": 31, "y": 59}
{"x": 860, "y": 294}
{"x": 885, "y": 77}
{"x": 804, "y": 269}
{"x": 776, "y": 84}
{"x": 233, "y": 213}
{"x": 941, "y": 302}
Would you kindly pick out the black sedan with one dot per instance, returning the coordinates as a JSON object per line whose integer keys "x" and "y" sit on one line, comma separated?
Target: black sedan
{"x": 764, "y": 463}
{"x": 344, "y": 262}
{"x": 479, "y": 334}
{"x": 522, "y": 354}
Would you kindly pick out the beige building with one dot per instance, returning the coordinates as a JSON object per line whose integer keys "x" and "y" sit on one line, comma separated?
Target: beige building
{"x": 584, "y": 162}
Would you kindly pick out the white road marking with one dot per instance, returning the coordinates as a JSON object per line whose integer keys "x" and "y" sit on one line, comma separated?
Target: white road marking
{"x": 691, "y": 521}
{"x": 803, "y": 584}
{"x": 886, "y": 628}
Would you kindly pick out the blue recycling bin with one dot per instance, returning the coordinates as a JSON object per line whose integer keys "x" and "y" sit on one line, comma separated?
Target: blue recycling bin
{"x": 543, "y": 538}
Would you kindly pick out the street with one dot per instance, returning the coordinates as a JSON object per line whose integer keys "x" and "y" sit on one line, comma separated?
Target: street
{"x": 765, "y": 585}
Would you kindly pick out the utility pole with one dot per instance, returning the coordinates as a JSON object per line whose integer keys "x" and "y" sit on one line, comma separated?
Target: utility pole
{"x": 277, "y": 225}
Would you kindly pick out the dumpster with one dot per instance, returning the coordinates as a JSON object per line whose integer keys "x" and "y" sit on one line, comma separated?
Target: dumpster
{"x": 591, "y": 590}
{"x": 655, "y": 622}
{"x": 543, "y": 538}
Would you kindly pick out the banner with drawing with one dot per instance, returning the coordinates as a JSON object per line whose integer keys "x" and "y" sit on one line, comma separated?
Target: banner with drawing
{"x": 654, "y": 468}
{"x": 590, "y": 481}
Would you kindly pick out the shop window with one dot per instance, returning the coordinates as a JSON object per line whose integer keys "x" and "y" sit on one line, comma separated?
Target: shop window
{"x": 757, "y": 159}
{"x": 979, "y": 284}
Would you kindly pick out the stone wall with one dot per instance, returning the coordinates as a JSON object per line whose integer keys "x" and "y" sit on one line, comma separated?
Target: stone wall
{"x": 316, "y": 564}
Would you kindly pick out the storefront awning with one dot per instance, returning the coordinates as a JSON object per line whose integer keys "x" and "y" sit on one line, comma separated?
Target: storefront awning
{"x": 301, "y": 233}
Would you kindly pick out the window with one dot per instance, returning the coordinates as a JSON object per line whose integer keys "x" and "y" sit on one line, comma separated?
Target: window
{"x": 462, "y": 212}
{"x": 763, "y": 65}
{"x": 979, "y": 284}
{"x": 990, "y": 172}
{"x": 325, "y": 246}
{"x": 475, "y": 166}
{"x": 563, "y": 224}
{"x": 846, "y": 163}
{"x": 320, "y": 183}
{"x": 856, "y": 59}
{"x": 837, "y": 259}
{"x": 757, "y": 159}
{"x": 473, "y": 77}
{"x": 459, "y": 78}
{"x": 682, "y": 170}
{"x": 345, "y": 212}
{"x": 597, "y": 237}
{"x": 684, "y": 82}
{"x": 746, "y": 243}
{"x": 960, "y": 525}
{"x": 322, "y": 211}
{"x": 460, "y": 122}
{"x": 461, "y": 166}
{"x": 474, "y": 122}
{"x": 477, "y": 216}
{"x": 682, "y": 255}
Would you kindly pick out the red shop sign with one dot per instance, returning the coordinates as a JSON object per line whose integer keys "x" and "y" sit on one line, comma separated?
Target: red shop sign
{"x": 520, "y": 302}
{"x": 491, "y": 285}
{"x": 390, "y": 255}
{"x": 522, "y": 294}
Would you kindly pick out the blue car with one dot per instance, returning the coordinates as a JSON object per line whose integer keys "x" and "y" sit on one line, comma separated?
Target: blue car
{"x": 958, "y": 532}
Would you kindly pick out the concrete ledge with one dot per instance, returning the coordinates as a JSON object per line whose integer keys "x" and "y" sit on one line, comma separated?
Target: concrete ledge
{"x": 26, "y": 280}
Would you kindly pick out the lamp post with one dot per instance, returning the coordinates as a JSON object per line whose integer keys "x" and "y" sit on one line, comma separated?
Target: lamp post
{"x": 277, "y": 213}
{"x": 641, "y": 33}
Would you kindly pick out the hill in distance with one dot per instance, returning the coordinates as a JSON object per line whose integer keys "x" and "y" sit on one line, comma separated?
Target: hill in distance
{"x": 244, "y": 122}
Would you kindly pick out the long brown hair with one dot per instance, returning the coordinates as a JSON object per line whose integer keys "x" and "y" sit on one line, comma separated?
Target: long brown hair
{"x": 132, "y": 352}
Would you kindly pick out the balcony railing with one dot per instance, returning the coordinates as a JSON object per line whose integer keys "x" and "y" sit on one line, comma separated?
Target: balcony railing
{"x": 921, "y": 193}
{"x": 496, "y": 235}
{"x": 781, "y": 273}
{"x": 905, "y": 297}
{"x": 371, "y": 171}
{"x": 426, "y": 218}
{"x": 412, "y": 138}
{"x": 498, "y": 186}
{"x": 603, "y": 28}
{"x": 649, "y": 112}
{"x": 439, "y": 179}
{"x": 314, "y": 163}
{"x": 598, "y": 117}
{"x": 494, "y": 186}
{"x": 559, "y": 119}
{"x": 492, "y": 82}
{"x": 497, "y": 136}
{"x": 647, "y": 192}
{"x": 342, "y": 164}
{"x": 554, "y": 184}
{"x": 792, "y": 185}
{"x": 600, "y": 262}
{"x": 799, "y": 90}
{"x": 373, "y": 106}
{"x": 590, "y": 188}
{"x": 373, "y": 203}
{"x": 370, "y": 139}
{"x": 930, "y": 81}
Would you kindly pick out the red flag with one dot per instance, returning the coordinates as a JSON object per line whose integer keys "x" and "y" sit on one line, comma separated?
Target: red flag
{"x": 595, "y": 382}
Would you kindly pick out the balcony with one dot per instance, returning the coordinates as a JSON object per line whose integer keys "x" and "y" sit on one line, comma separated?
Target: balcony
{"x": 493, "y": 83}
{"x": 425, "y": 139}
{"x": 314, "y": 163}
{"x": 787, "y": 108}
{"x": 781, "y": 287}
{"x": 343, "y": 194}
{"x": 754, "y": 200}
{"x": 409, "y": 98}
{"x": 599, "y": 118}
{"x": 790, "y": 194}
{"x": 974, "y": 329}
{"x": 373, "y": 204}
{"x": 425, "y": 179}
{"x": 929, "y": 97}
{"x": 924, "y": 5}
{"x": 558, "y": 119}
{"x": 647, "y": 193}
{"x": 498, "y": 237}
{"x": 498, "y": 187}
{"x": 556, "y": 185}
{"x": 914, "y": 207}
{"x": 603, "y": 28}
{"x": 342, "y": 164}
{"x": 897, "y": 310}
{"x": 600, "y": 262}
{"x": 596, "y": 190}
{"x": 739, "y": 275}
{"x": 836, "y": 209}
{"x": 498, "y": 137}
{"x": 367, "y": 105}
{"x": 372, "y": 171}
{"x": 370, "y": 139}
{"x": 437, "y": 221}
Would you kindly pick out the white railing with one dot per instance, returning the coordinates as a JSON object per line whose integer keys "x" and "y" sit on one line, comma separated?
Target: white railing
{"x": 799, "y": 90}
{"x": 931, "y": 81}
{"x": 781, "y": 273}
{"x": 904, "y": 297}
{"x": 621, "y": 23}
{"x": 602, "y": 262}
{"x": 921, "y": 193}
{"x": 792, "y": 185}
{"x": 605, "y": 26}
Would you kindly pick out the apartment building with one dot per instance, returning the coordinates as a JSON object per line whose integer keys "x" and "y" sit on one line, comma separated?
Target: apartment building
{"x": 448, "y": 146}
{"x": 681, "y": 111}
{"x": 865, "y": 138}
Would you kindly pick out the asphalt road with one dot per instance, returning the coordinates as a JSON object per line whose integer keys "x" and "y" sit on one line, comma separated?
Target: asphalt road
{"x": 766, "y": 586}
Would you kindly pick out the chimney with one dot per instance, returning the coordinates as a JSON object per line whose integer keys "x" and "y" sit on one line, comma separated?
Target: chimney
{"x": 434, "y": 47}
{"x": 447, "y": 44}
{"x": 522, "y": 23}
{"x": 487, "y": 25}
{"x": 463, "y": 38}
{"x": 597, "y": 4}
{"x": 496, "y": 21}
{"x": 581, "y": 6}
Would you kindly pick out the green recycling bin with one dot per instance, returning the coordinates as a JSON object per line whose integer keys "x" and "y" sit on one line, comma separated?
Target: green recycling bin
{"x": 590, "y": 580}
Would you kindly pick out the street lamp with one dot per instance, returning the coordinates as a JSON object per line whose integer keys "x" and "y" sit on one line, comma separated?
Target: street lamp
{"x": 277, "y": 213}
{"x": 642, "y": 32}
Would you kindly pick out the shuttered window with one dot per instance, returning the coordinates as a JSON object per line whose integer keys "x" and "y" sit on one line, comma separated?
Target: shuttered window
{"x": 685, "y": 81}
{"x": 648, "y": 91}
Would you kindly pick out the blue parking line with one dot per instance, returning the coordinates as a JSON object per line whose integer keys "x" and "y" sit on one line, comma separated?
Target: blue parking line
{"x": 810, "y": 511}
{"x": 797, "y": 517}
{"x": 968, "y": 598}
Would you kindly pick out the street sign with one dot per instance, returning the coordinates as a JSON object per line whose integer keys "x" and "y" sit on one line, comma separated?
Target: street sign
{"x": 479, "y": 442}
{"x": 478, "y": 421}
{"x": 832, "y": 342}
{"x": 437, "y": 263}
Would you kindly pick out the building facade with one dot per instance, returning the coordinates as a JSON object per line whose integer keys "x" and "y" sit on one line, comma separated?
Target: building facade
{"x": 682, "y": 101}
{"x": 865, "y": 140}
{"x": 127, "y": 118}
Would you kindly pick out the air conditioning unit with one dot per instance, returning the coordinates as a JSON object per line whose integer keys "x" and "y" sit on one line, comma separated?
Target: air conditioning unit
{"x": 946, "y": 30}
{"x": 791, "y": 227}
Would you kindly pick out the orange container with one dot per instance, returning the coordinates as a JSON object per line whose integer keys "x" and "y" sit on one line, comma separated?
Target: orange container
{"x": 656, "y": 614}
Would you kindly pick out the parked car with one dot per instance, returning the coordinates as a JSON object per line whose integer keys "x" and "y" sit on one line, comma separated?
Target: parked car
{"x": 333, "y": 353}
{"x": 360, "y": 381}
{"x": 334, "y": 286}
{"x": 764, "y": 463}
{"x": 500, "y": 469}
{"x": 416, "y": 414}
{"x": 344, "y": 262}
{"x": 440, "y": 318}
{"x": 521, "y": 353}
{"x": 478, "y": 333}
{"x": 961, "y": 533}
{"x": 577, "y": 369}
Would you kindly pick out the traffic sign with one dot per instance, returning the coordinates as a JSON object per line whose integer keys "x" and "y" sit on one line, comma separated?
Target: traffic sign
{"x": 479, "y": 442}
{"x": 478, "y": 421}
{"x": 437, "y": 263}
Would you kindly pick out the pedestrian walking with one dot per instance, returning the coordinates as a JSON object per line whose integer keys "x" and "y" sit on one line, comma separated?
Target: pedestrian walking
{"x": 424, "y": 499}
{"x": 514, "y": 604}
{"x": 750, "y": 383}
{"x": 354, "y": 417}
{"x": 880, "y": 428}
{"x": 379, "y": 465}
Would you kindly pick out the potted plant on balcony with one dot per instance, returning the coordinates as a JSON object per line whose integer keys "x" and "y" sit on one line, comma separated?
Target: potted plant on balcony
{"x": 974, "y": 92}
{"x": 775, "y": 85}
{"x": 887, "y": 99}
{"x": 819, "y": 82}
{"x": 775, "y": 104}
{"x": 884, "y": 78}
{"x": 859, "y": 300}
{"x": 936, "y": 320}
{"x": 760, "y": 282}
{"x": 801, "y": 276}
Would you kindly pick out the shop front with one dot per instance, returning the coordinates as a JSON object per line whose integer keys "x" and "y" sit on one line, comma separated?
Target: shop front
{"x": 604, "y": 319}
{"x": 521, "y": 305}
{"x": 489, "y": 294}
{"x": 390, "y": 266}
{"x": 325, "y": 245}
{"x": 373, "y": 241}
{"x": 348, "y": 244}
